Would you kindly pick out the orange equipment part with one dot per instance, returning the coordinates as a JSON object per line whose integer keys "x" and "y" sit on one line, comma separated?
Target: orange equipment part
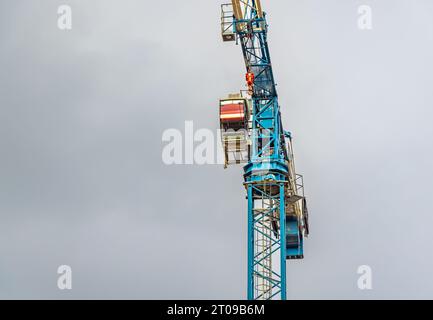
{"x": 250, "y": 78}
{"x": 232, "y": 112}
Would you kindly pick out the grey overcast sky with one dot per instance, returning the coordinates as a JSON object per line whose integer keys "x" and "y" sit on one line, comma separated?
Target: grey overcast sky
{"x": 82, "y": 182}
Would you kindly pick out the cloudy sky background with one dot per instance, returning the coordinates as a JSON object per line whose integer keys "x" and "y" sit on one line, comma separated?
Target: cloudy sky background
{"x": 82, "y": 182}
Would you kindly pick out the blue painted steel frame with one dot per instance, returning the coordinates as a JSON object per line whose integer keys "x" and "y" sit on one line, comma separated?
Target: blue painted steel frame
{"x": 270, "y": 177}
{"x": 250, "y": 279}
{"x": 283, "y": 243}
{"x": 260, "y": 219}
{"x": 268, "y": 158}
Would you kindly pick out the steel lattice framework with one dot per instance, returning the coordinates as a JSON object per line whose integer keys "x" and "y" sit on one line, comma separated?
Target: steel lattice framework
{"x": 274, "y": 190}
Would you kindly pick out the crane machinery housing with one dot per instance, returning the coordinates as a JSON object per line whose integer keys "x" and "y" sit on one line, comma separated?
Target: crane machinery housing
{"x": 252, "y": 134}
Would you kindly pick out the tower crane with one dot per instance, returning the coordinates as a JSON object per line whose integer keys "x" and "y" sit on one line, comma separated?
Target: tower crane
{"x": 252, "y": 134}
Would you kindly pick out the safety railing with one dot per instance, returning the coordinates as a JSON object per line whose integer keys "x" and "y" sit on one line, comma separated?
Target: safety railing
{"x": 227, "y": 25}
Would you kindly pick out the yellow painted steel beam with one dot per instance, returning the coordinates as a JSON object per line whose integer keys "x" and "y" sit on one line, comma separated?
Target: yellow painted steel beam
{"x": 237, "y": 11}
{"x": 259, "y": 9}
{"x": 246, "y": 5}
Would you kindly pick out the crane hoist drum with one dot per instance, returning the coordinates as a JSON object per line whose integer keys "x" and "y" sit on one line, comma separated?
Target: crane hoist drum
{"x": 234, "y": 114}
{"x": 294, "y": 238}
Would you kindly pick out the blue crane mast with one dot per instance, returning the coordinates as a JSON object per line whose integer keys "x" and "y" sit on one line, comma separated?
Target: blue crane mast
{"x": 252, "y": 133}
